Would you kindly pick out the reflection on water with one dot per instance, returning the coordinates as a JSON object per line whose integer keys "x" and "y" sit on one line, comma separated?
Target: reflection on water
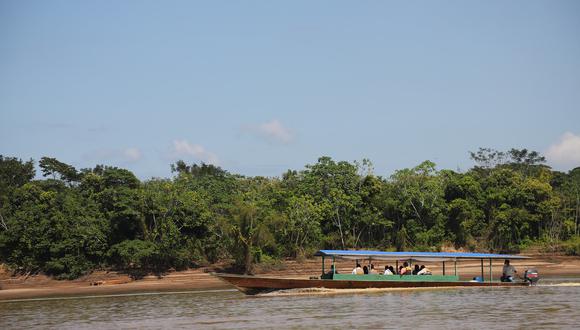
{"x": 555, "y": 304}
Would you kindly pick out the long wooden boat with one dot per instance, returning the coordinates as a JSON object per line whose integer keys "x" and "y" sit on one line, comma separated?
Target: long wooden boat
{"x": 255, "y": 284}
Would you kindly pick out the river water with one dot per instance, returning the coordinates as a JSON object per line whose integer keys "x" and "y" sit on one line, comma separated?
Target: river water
{"x": 553, "y": 304}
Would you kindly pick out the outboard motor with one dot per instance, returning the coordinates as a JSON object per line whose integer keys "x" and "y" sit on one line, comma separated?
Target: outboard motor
{"x": 531, "y": 275}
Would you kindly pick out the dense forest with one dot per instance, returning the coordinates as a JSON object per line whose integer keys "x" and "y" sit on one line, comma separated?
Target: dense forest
{"x": 74, "y": 221}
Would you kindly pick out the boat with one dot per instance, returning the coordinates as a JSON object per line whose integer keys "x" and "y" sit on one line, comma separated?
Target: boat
{"x": 252, "y": 285}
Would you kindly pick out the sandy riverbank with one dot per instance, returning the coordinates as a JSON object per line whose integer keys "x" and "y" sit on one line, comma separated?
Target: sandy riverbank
{"x": 40, "y": 286}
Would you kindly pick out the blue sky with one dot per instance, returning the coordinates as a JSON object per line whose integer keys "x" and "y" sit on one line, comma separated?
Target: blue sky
{"x": 259, "y": 87}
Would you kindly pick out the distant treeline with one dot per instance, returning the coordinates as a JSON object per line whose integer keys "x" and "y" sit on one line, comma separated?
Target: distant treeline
{"x": 74, "y": 221}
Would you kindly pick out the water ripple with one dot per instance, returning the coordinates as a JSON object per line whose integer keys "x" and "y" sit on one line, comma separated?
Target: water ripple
{"x": 555, "y": 305}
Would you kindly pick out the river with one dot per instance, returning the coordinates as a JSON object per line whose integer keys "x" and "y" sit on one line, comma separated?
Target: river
{"x": 553, "y": 304}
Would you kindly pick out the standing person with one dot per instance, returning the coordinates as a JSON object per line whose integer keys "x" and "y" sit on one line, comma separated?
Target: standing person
{"x": 508, "y": 272}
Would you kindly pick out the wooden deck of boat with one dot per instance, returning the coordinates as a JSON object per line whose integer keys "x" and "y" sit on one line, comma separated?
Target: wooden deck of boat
{"x": 253, "y": 284}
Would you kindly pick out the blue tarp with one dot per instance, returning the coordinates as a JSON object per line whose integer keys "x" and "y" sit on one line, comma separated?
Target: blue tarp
{"x": 363, "y": 254}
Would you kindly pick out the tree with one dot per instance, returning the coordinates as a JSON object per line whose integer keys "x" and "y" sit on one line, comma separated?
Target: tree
{"x": 203, "y": 169}
{"x": 14, "y": 173}
{"x": 302, "y": 226}
{"x": 54, "y": 168}
{"x": 117, "y": 192}
{"x": 488, "y": 158}
{"x": 177, "y": 221}
{"x": 250, "y": 230}
{"x": 334, "y": 186}
{"x": 523, "y": 156}
{"x": 75, "y": 221}
{"x": 420, "y": 193}
{"x": 567, "y": 187}
{"x": 53, "y": 229}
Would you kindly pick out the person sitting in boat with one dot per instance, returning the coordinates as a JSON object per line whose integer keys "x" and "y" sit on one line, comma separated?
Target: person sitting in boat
{"x": 332, "y": 271}
{"x": 424, "y": 271}
{"x": 508, "y": 272}
{"x": 357, "y": 270}
{"x": 388, "y": 270}
{"x": 373, "y": 270}
{"x": 405, "y": 269}
{"x": 416, "y": 270}
{"x": 365, "y": 270}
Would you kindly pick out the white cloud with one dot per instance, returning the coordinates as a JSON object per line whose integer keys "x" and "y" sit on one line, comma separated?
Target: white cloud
{"x": 132, "y": 154}
{"x": 276, "y": 130}
{"x": 273, "y": 130}
{"x": 565, "y": 152}
{"x": 184, "y": 148}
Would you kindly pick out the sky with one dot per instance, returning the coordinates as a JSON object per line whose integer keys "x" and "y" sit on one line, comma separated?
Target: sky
{"x": 260, "y": 87}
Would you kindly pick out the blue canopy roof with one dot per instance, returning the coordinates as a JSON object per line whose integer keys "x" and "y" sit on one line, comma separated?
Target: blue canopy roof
{"x": 425, "y": 256}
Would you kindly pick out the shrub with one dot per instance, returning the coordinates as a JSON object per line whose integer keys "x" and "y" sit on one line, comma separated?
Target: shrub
{"x": 572, "y": 246}
{"x": 133, "y": 254}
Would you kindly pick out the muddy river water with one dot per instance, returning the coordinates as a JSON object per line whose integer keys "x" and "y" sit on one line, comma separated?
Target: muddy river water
{"x": 555, "y": 303}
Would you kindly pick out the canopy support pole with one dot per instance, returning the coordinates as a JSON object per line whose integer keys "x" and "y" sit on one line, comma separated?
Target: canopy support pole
{"x": 322, "y": 265}
{"x": 482, "y": 278}
{"x": 443, "y": 267}
{"x": 333, "y": 266}
{"x": 396, "y": 266}
{"x": 490, "y": 272}
{"x": 455, "y": 266}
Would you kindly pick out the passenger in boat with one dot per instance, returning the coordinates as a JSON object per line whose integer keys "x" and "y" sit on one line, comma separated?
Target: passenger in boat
{"x": 332, "y": 271}
{"x": 365, "y": 270}
{"x": 401, "y": 270}
{"x": 388, "y": 270}
{"x": 373, "y": 270}
{"x": 392, "y": 269}
{"x": 508, "y": 272}
{"x": 358, "y": 270}
{"x": 406, "y": 270}
{"x": 424, "y": 271}
{"x": 416, "y": 270}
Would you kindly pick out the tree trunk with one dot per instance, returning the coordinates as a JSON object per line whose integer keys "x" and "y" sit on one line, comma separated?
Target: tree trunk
{"x": 248, "y": 259}
{"x": 340, "y": 228}
{"x": 576, "y": 215}
{"x": 2, "y": 222}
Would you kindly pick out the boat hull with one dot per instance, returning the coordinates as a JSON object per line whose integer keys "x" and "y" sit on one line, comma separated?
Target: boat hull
{"x": 252, "y": 285}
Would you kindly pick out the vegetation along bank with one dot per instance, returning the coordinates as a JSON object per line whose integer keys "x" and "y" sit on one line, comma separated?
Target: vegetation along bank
{"x": 75, "y": 221}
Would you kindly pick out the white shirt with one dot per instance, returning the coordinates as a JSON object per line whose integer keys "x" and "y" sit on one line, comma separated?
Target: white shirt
{"x": 357, "y": 271}
{"x": 509, "y": 270}
{"x": 424, "y": 271}
{"x": 388, "y": 272}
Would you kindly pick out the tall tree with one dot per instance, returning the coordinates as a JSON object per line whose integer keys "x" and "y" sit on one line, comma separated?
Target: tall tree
{"x": 53, "y": 167}
{"x": 14, "y": 173}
